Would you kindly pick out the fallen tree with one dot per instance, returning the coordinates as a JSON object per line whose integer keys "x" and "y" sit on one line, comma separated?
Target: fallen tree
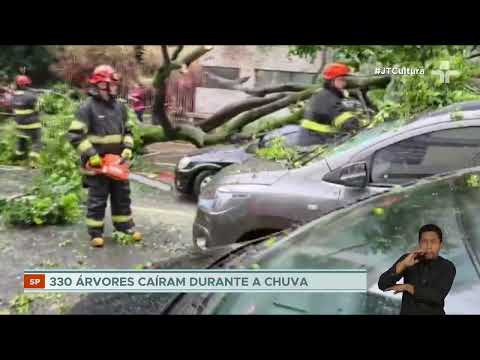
{"x": 232, "y": 121}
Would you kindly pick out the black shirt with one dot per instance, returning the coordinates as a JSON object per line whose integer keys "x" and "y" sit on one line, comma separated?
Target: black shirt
{"x": 432, "y": 280}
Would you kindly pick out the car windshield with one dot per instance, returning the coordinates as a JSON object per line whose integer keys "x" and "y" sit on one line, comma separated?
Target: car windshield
{"x": 361, "y": 138}
{"x": 373, "y": 235}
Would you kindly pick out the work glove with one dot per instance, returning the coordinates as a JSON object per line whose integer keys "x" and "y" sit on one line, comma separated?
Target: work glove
{"x": 95, "y": 160}
{"x": 127, "y": 154}
{"x": 352, "y": 125}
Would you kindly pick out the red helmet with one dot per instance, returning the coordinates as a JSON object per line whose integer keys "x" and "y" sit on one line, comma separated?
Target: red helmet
{"x": 103, "y": 73}
{"x": 334, "y": 70}
{"x": 23, "y": 80}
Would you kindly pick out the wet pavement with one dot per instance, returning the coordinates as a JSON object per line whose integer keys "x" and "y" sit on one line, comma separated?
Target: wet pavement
{"x": 161, "y": 215}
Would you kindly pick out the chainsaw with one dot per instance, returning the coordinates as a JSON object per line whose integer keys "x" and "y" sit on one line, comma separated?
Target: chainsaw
{"x": 113, "y": 166}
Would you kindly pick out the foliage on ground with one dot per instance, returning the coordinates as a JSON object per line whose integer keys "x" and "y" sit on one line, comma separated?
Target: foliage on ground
{"x": 55, "y": 197}
{"x": 24, "y": 304}
{"x": 57, "y": 194}
{"x": 8, "y": 143}
{"x": 123, "y": 239}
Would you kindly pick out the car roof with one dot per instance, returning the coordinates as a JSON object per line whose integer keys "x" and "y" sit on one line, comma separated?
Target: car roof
{"x": 468, "y": 110}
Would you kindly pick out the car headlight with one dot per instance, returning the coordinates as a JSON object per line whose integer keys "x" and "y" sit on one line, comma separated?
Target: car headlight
{"x": 183, "y": 163}
{"x": 222, "y": 198}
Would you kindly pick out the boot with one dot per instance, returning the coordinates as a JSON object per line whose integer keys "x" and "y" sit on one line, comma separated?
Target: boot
{"x": 33, "y": 160}
{"x": 97, "y": 242}
{"x": 136, "y": 235}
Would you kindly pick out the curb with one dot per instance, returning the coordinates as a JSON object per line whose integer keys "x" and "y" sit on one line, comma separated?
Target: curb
{"x": 149, "y": 182}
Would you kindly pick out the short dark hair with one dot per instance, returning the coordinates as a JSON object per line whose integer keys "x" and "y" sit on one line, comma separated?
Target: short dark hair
{"x": 430, "y": 227}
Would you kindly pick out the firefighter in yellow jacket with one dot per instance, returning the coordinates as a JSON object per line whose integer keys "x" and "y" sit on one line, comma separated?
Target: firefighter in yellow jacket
{"x": 330, "y": 111}
{"x": 101, "y": 127}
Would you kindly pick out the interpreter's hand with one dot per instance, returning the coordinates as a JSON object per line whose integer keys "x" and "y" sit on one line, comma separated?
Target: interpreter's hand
{"x": 401, "y": 288}
{"x": 412, "y": 259}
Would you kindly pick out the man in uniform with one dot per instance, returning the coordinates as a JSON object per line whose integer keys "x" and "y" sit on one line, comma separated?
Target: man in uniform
{"x": 29, "y": 126}
{"x": 330, "y": 111}
{"x": 101, "y": 127}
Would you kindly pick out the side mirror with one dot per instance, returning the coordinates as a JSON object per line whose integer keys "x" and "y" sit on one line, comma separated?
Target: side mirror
{"x": 354, "y": 175}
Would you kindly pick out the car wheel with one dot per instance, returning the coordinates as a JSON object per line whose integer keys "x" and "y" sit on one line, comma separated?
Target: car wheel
{"x": 202, "y": 180}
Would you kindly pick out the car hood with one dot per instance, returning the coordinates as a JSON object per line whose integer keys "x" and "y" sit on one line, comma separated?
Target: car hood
{"x": 254, "y": 171}
{"x": 221, "y": 154}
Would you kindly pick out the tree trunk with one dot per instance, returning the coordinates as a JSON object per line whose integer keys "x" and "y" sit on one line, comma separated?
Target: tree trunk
{"x": 159, "y": 114}
{"x": 152, "y": 134}
{"x": 243, "y": 119}
{"x": 273, "y": 121}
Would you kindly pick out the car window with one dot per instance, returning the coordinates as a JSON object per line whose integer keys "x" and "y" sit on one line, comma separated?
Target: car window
{"x": 344, "y": 142}
{"x": 426, "y": 155}
{"x": 469, "y": 205}
{"x": 371, "y": 236}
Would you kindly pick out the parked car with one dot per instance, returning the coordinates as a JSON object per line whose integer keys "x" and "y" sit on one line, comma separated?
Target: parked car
{"x": 194, "y": 171}
{"x": 361, "y": 237}
{"x": 257, "y": 197}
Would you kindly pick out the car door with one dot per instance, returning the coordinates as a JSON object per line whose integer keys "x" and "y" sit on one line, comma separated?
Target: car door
{"x": 433, "y": 151}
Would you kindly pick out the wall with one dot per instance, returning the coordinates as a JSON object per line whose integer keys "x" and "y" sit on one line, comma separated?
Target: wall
{"x": 247, "y": 58}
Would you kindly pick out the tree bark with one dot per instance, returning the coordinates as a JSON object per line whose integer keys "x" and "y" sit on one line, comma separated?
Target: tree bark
{"x": 166, "y": 57}
{"x": 152, "y": 134}
{"x": 231, "y": 110}
{"x": 260, "y": 92}
{"x": 190, "y": 57}
{"x": 370, "y": 82}
{"x": 322, "y": 66}
{"x": 224, "y": 83}
{"x": 245, "y": 118}
{"x": 273, "y": 121}
{"x": 177, "y": 52}
{"x": 159, "y": 114}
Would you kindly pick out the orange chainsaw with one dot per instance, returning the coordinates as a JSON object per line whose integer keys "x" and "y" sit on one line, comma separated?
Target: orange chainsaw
{"x": 113, "y": 166}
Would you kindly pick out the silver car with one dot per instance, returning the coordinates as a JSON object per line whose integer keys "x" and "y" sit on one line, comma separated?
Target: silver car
{"x": 259, "y": 197}
{"x": 357, "y": 237}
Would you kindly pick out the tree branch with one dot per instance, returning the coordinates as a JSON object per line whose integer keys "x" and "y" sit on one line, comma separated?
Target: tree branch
{"x": 231, "y": 110}
{"x": 358, "y": 81}
{"x": 177, "y": 52}
{"x": 260, "y": 92}
{"x": 277, "y": 88}
{"x": 166, "y": 57}
{"x": 188, "y": 58}
{"x": 224, "y": 83}
{"x": 159, "y": 114}
{"x": 473, "y": 56}
{"x": 245, "y": 118}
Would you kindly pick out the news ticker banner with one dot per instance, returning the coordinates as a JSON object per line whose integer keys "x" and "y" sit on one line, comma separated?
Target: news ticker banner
{"x": 221, "y": 280}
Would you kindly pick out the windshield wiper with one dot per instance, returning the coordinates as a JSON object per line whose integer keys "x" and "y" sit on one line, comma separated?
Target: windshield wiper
{"x": 289, "y": 307}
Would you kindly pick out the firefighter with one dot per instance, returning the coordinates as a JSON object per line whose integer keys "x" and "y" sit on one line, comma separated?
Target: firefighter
{"x": 29, "y": 126}
{"x": 101, "y": 127}
{"x": 331, "y": 111}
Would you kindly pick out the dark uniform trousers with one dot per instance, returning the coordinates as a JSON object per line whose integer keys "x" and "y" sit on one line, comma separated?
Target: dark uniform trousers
{"x": 99, "y": 189}
{"x": 28, "y": 141}
{"x": 24, "y": 103}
